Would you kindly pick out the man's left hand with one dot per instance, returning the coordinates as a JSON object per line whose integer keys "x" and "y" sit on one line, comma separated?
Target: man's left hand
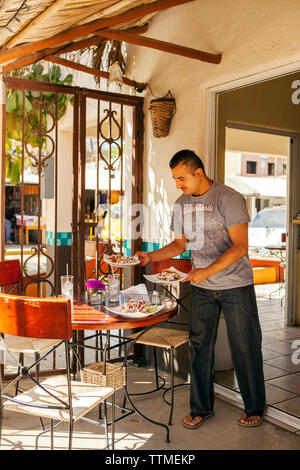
{"x": 196, "y": 275}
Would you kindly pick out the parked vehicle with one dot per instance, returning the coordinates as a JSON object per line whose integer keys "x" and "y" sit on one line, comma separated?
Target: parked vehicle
{"x": 267, "y": 227}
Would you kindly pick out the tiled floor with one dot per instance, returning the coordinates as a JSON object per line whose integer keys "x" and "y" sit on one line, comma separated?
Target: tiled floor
{"x": 282, "y": 373}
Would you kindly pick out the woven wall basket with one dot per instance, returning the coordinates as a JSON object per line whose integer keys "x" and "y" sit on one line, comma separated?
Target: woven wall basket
{"x": 162, "y": 111}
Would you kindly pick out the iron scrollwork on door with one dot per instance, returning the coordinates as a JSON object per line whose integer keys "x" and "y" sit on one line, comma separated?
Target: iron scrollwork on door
{"x": 110, "y": 151}
{"x": 39, "y": 146}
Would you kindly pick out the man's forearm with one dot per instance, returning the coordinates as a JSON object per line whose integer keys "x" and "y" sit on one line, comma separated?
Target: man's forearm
{"x": 231, "y": 256}
{"x": 169, "y": 251}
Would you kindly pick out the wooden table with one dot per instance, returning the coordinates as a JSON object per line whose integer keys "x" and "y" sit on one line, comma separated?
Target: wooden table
{"x": 31, "y": 227}
{"x": 97, "y": 317}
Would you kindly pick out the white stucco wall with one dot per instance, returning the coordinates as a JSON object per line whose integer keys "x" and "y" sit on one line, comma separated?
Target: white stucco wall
{"x": 253, "y": 36}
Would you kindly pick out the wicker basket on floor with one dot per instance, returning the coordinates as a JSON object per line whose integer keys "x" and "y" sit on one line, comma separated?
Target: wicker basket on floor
{"x": 94, "y": 374}
{"x": 162, "y": 111}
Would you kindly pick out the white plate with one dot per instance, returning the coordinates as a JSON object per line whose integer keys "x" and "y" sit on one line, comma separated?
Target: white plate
{"x": 117, "y": 310}
{"x": 120, "y": 265}
{"x": 153, "y": 277}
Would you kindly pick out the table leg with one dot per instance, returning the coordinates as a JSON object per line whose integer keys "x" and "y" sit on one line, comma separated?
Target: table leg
{"x": 128, "y": 397}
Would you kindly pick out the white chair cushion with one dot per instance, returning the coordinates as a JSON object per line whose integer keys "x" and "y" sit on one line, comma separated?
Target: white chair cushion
{"x": 20, "y": 344}
{"x": 84, "y": 398}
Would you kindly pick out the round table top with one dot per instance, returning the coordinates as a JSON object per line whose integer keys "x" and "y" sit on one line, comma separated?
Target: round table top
{"x": 97, "y": 317}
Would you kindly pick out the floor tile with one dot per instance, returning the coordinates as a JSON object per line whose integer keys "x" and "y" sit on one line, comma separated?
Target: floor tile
{"x": 285, "y": 363}
{"x": 289, "y": 382}
{"x": 281, "y": 347}
{"x": 293, "y": 329}
{"x": 283, "y": 334}
{"x": 270, "y": 354}
{"x": 273, "y": 372}
{"x": 291, "y": 406}
{"x": 268, "y": 339}
{"x": 277, "y": 395}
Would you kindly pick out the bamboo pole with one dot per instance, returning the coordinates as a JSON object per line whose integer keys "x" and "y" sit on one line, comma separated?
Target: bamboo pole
{"x": 91, "y": 71}
{"x": 7, "y": 55}
{"x": 43, "y": 16}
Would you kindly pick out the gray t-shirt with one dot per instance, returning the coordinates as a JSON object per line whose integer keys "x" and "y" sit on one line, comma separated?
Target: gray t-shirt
{"x": 205, "y": 221}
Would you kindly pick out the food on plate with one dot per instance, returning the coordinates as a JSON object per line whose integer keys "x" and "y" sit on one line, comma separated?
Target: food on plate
{"x": 120, "y": 259}
{"x": 138, "y": 306}
{"x": 168, "y": 275}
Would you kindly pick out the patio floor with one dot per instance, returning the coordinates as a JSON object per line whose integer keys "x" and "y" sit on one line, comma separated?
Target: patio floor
{"x": 133, "y": 433}
{"x": 220, "y": 433}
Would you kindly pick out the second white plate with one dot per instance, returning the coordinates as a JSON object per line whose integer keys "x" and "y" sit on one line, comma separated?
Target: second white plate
{"x": 117, "y": 310}
{"x": 120, "y": 265}
{"x": 153, "y": 278}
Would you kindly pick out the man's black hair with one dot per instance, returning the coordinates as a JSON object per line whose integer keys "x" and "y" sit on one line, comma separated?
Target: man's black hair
{"x": 188, "y": 158}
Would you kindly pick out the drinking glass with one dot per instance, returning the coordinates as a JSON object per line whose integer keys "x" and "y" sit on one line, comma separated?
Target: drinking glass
{"x": 67, "y": 284}
{"x": 114, "y": 287}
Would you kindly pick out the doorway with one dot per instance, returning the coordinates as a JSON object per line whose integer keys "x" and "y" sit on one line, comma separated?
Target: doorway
{"x": 266, "y": 108}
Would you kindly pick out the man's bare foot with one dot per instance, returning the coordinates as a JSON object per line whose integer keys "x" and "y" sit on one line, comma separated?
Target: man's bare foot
{"x": 251, "y": 420}
{"x": 194, "y": 423}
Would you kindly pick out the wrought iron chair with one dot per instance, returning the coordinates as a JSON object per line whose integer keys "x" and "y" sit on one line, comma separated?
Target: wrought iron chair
{"x": 168, "y": 339}
{"x": 57, "y": 398}
{"x": 10, "y": 276}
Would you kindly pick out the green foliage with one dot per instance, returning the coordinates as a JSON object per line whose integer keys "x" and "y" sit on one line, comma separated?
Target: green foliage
{"x": 36, "y": 116}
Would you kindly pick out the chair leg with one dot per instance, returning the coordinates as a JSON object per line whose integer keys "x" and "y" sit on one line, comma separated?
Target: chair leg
{"x": 124, "y": 402}
{"x": 37, "y": 373}
{"x": 71, "y": 425}
{"x": 21, "y": 361}
{"x": 172, "y": 384}
{"x": 113, "y": 422}
{"x": 51, "y": 434}
{"x": 100, "y": 412}
{"x": 106, "y": 426}
{"x": 155, "y": 365}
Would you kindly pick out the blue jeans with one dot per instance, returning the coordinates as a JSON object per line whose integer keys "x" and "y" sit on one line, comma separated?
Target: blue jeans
{"x": 245, "y": 339}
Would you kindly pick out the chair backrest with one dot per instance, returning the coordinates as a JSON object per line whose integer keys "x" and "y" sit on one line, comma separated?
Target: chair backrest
{"x": 10, "y": 272}
{"x": 48, "y": 318}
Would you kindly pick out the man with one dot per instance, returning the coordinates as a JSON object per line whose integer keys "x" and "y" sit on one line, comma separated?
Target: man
{"x": 213, "y": 218}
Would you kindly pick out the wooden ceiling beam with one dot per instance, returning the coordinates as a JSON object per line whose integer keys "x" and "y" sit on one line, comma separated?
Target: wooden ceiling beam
{"x": 60, "y": 39}
{"x": 93, "y": 41}
{"x": 160, "y": 45}
{"x": 91, "y": 71}
{"x": 27, "y": 60}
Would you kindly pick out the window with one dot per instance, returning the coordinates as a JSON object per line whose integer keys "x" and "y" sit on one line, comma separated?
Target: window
{"x": 271, "y": 169}
{"x": 284, "y": 169}
{"x": 251, "y": 168}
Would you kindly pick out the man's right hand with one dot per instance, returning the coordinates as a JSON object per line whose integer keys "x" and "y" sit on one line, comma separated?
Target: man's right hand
{"x": 143, "y": 257}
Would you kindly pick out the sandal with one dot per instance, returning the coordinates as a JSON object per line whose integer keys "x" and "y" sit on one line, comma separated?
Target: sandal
{"x": 196, "y": 426}
{"x": 260, "y": 413}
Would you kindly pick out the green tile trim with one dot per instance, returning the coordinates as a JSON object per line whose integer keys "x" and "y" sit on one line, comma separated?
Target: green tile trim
{"x": 63, "y": 238}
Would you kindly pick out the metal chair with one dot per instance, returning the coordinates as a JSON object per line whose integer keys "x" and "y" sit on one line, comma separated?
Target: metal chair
{"x": 10, "y": 276}
{"x": 57, "y": 398}
{"x": 168, "y": 339}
